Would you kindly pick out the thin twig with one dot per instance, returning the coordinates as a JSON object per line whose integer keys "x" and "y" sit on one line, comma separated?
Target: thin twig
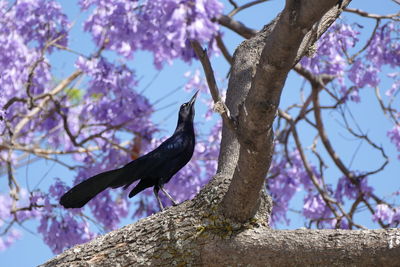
{"x": 236, "y": 26}
{"x": 38, "y": 108}
{"x": 223, "y": 49}
{"x": 233, "y": 3}
{"x": 351, "y": 59}
{"x": 247, "y": 5}
{"x": 327, "y": 199}
{"x": 212, "y": 85}
{"x": 373, "y": 16}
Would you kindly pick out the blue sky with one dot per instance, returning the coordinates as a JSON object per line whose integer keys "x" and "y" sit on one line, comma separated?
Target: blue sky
{"x": 31, "y": 246}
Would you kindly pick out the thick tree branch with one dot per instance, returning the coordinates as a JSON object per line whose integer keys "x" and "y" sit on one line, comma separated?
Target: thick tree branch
{"x": 283, "y": 46}
{"x": 167, "y": 239}
{"x": 261, "y": 247}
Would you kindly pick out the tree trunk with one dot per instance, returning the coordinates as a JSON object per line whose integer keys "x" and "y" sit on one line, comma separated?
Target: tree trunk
{"x": 227, "y": 223}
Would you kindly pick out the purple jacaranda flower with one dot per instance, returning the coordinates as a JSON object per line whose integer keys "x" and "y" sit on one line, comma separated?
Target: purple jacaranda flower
{"x": 330, "y": 57}
{"x": 385, "y": 45}
{"x": 7, "y": 240}
{"x": 315, "y": 208}
{"x": 66, "y": 231}
{"x": 395, "y": 85}
{"x": 384, "y": 213}
{"x": 394, "y": 135}
{"x": 396, "y": 217}
{"x": 337, "y": 43}
{"x": 345, "y": 188}
{"x": 195, "y": 81}
{"x": 108, "y": 210}
{"x": 163, "y": 27}
{"x": 363, "y": 74}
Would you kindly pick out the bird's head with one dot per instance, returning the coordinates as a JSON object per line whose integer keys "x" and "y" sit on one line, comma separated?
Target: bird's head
{"x": 186, "y": 112}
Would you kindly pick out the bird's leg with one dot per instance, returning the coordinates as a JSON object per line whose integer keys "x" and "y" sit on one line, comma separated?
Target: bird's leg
{"x": 169, "y": 196}
{"x": 155, "y": 190}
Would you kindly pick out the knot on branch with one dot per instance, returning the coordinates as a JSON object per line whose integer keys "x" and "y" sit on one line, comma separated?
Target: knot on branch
{"x": 219, "y": 107}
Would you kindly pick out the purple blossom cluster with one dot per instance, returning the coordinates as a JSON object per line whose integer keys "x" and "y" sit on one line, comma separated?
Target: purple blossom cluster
{"x": 109, "y": 208}
{"x": 315, "y": 209}
{"x": 95, "y": 115}
{"x": 11, "y": 210}
{"x": 110, "y": 91}
{"x": 351, "y": 190}
{"x": 286, "y": 177}
{"x": 9, "y": 239}
{"x": 394, "y": 135}
{"x": 60, "y": 232}
{"x": 382, "y": 50}
{"x": 22, "y": 50}
{"x": 60, "y": 229}
{"x": 195, "y": 81}
{"x": 385, "y": 45}
{"x": 391, "y": 92}
{"x": 387, "y": 215}
{"x": 163, "y": 27}
{"x": 334, "y": 57}
{"x": 330, "y": 57}
{"x": 5, "y": 216}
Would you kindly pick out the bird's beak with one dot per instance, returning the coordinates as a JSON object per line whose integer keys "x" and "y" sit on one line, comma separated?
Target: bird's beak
{"x": 193, "y": 99}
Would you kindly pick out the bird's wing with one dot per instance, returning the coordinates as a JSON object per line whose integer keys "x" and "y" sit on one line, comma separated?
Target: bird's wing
{"x": 139, "y": 168}
{"x": 169, "y": 149}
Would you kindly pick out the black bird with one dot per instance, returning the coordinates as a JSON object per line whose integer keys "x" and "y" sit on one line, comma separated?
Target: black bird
{"x": 153, "y": 169}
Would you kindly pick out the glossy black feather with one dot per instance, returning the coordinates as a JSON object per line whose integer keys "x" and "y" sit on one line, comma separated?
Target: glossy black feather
{"x": 79, "y": 195}
{"x": 153, "y": 169}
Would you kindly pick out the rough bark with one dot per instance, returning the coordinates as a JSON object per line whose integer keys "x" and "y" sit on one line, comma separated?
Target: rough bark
{"x": 171, "y": 239}
{"x": 227, "y": 222}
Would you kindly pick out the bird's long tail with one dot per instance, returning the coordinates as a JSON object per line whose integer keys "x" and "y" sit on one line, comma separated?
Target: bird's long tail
{"x": 80, "y": 194}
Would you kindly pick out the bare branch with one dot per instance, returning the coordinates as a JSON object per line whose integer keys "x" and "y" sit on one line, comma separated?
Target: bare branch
{"x": 40, "y": 151}
{"x": 351, "y": 59}
{"x": 392, "y": 112}
{"x": 373, "y": 16}
{"x": 12, "y": 101}
{"x": 243, "y": 7}
{"x": 212, "y": 85}
{"x": 324, "y": 138}
{"x": 233, "y": 3}
{"x": 61, "y": 86}
{"x": 223, "y": 49}
{"x": 236, "y": 26}
{"x": 317, "y": 184}
{"x": 285, "y": 41}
